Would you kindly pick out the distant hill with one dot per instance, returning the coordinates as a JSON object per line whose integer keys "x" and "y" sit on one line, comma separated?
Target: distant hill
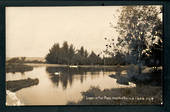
{"x": 29, "y": 58}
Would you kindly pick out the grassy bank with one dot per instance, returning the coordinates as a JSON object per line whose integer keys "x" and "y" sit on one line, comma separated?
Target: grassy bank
{"x": 148, "y": 89}
{"x": 154, "y": 79}
{"x": 149, "y": 75}
{"x": 17, "y": 67}
{"x": 64, "y": 65}
{"x": 121, "y": 96}
{"x": 19, "y": 84}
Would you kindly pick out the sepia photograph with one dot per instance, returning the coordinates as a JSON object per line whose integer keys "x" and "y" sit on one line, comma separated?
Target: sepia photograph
{"x": 84, "y": 55}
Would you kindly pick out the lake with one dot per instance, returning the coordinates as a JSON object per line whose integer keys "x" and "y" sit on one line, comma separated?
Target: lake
{"x": 66, "y": 87}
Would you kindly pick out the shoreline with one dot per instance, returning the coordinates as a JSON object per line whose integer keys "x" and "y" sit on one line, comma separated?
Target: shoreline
{"x": 62, "y": 65}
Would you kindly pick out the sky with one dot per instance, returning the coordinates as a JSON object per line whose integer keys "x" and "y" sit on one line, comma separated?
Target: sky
{"x": 31, "y": 31}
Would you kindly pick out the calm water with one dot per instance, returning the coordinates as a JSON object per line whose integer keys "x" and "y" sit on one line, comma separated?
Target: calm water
{"x": 59, "y": 90}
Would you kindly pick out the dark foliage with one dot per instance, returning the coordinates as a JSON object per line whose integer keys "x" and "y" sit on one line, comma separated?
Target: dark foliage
{"x": 68, "y": 55}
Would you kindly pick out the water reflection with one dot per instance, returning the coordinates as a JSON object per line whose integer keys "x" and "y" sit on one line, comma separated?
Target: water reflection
{"x": 67, "y": 75}
{"x": 54, "y": 89}
{"x": 16, "y": 76}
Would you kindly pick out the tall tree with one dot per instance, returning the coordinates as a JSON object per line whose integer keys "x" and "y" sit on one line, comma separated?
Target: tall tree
{"x": 86, "y": 54}
{"x": 136, "y": 27}
{"x": 71, "y": 53}
{"x": 81, "y": 51}
{"x": 64, "y": 52}
{"x": 53, "y": 56}
{"x": 94, "y": 59}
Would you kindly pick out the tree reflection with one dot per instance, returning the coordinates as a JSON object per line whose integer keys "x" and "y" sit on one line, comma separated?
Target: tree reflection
{"x": 67, "y": 75}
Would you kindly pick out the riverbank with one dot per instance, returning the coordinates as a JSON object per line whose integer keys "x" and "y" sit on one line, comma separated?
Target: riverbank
{"x": 121, "y": 67}
{"x": 16, "y": 85}
{"x": 17, "y": 67}
{"x": 62, "y": 65}
{"x": 148, "y": 76}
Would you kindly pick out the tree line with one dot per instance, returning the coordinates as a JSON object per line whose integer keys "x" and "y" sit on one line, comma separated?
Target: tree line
{"x": 67, "y": 54}
{"x": 22, "y": 60}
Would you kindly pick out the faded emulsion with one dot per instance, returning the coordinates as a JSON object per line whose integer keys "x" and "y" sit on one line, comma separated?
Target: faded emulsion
{"x": 95, "y": 55}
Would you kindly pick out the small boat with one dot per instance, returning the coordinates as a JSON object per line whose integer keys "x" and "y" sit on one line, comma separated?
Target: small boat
{"x": 57, "y": 73}
{"x": 73, "y": 66}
